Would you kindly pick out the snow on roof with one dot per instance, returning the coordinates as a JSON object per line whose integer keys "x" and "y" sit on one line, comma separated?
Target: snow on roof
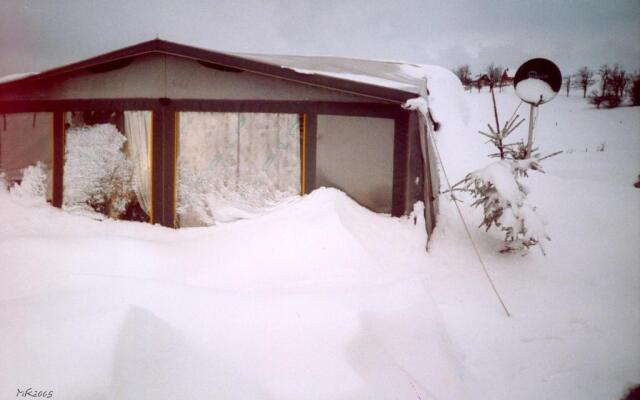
{"x": 15, "y": 77}
{"x": 445, "y": 90}
{"x": 398, "y": 75}
{"x": 511, "y": 72}
{"x": 390, "y": 74}
{"x": 406, "y": 77}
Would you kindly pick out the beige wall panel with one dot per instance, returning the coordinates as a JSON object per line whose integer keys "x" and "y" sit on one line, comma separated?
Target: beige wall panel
{"x": 186, "y": 78}
{"x": 141, "y": 78}
{"x": 355, "y": 155}
{"x": 190, "y": 79}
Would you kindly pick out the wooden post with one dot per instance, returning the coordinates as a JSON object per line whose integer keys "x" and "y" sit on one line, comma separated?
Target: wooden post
{"x": 310, "y": 152}
{"x": 429, "y": 211}
{"x": 58, "y": 158}
{"x": 400, "y": 164}
{"x": 156, "y": 162}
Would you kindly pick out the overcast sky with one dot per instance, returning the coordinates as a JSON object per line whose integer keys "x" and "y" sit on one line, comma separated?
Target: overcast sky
{"x": 40, "y": 34}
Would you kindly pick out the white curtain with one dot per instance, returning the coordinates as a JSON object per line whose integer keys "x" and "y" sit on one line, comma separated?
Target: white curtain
{"x": 269, "y": 151}
{"x": 138, "y": 132}
{"x": 244, "y": 161}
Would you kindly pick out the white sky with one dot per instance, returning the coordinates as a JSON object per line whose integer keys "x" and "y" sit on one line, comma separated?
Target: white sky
{"x": 40, "y": 34}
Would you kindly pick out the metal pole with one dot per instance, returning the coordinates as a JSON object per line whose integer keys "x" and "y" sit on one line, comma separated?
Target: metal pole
{"x": 530, "y": 139}
{"x": 498, "y": 131}
{"x": 495, "y": 108}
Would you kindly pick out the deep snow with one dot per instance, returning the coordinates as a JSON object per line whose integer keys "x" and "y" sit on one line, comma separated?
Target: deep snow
{"x": 322, "y": 299}
{"x": 576, "y": 323}
{"x": 310, "y": 301}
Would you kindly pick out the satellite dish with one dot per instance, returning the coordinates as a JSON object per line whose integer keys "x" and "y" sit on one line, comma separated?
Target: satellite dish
{"x": 537, "y": 81}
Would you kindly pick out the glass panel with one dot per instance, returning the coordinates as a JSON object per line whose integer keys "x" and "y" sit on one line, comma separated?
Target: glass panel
{"x": 231, "y": 165}
{"x": 355, "y": 155}
{"x": 25, "y": 139}
{"x": 107, "y": 164}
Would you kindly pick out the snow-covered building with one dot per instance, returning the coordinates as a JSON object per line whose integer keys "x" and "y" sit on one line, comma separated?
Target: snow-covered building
{"x": 255, "y": 128}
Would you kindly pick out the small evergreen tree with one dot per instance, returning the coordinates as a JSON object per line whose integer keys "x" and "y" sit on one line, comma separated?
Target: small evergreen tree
{"x": 499, "y": 190}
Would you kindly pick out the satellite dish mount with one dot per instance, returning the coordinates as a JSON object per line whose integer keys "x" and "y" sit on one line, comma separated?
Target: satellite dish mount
{"x": 537, "y": 81}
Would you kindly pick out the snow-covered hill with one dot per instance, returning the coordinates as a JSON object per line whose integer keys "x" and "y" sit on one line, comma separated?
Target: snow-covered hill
{"x": 322, "y": 299}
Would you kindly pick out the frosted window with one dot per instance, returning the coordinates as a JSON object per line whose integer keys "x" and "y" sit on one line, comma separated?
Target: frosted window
{"x": 231, "y": 165}
{"x": 107, "y": 164}
{"x": 26, "y": 138}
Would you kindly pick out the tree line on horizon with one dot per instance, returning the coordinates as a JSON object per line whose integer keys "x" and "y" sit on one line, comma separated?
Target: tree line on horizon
{"x": 493, "y": 75}
{"x": 614, "y": 84}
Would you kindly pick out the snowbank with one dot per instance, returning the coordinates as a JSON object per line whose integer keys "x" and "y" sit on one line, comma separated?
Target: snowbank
{"x": 318, "y": 299}
{"x": 446, "y": 96}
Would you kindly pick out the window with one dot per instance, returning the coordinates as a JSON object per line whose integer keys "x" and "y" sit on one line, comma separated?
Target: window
{"x": 232, "y": 165}
{"x": 355, "y": 155}
{"x": 108, "y": 163}
{"x": 25, "y": 139}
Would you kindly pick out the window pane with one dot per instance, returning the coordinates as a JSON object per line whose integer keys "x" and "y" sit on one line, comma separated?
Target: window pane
{"x": 107, "y": 163}
{"x": 355, "y": 155}
{"x": 231, "y": 165}
{"x": 25, "y": 139}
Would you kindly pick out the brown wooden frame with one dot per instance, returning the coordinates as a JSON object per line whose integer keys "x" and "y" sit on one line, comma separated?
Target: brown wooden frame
{"x": 385, "y": 103}
{"x": 164, "y": 137}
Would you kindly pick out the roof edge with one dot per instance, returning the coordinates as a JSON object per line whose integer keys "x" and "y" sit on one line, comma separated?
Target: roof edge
{"x": 227, "y": 59}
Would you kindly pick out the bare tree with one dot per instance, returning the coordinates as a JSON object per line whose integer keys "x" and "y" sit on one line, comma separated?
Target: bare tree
{"x": 603, "y": 97}
{"x": 464, "y": 74}
{"x": 605, "y": 74}
{"x": 494, "y": 72}
{"x": 505, "y": 79}
{"x": 585, "y": 79}
{"x": 635, "y": 91}
{"x": 613, "y": 83}
{"x": 619, "y": 80}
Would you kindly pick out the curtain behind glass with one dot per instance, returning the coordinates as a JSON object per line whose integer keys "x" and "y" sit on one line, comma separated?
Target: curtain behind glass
{"x": 138, "y": 132}
{"x": 269, "y": 151}
{"x": 239, "y": 160}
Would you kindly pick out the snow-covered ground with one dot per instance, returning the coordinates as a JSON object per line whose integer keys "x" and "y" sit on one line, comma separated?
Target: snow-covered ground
{"x": 575, "y": 328}
{"x": 322, "y": 299}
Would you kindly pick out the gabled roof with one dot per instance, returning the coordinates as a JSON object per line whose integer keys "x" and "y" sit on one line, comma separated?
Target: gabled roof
{"x": 376, "y": 79}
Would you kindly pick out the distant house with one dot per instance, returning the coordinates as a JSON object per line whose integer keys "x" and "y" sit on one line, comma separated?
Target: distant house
{"x": 249, "y": 123}
{"x": 507, "y": 78}
{"x": 481, "y": 81}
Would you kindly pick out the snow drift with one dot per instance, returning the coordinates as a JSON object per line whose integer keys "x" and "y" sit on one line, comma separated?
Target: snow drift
{"x": 310, "y": 301}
